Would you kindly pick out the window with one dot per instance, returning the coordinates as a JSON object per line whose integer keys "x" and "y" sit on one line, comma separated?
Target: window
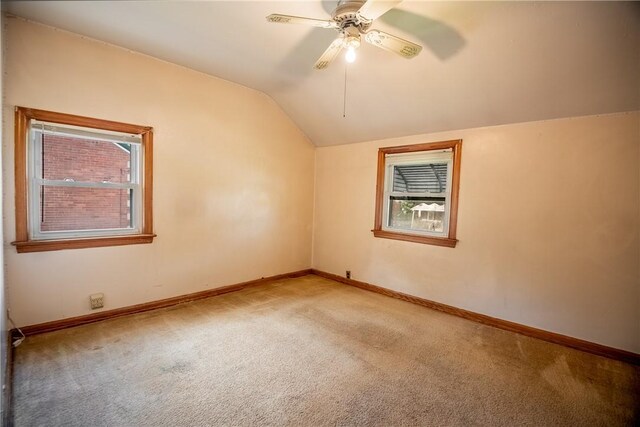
{"x": 81, "y": 182}
{"x": 417, "y": 193}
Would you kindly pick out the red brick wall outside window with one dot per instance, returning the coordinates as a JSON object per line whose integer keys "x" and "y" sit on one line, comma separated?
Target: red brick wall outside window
{"x": 80, "y": 208}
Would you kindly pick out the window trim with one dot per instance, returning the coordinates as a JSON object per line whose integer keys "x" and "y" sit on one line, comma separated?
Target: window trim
{"x": 23, "y": 243}
{"x": 378, "y": 230}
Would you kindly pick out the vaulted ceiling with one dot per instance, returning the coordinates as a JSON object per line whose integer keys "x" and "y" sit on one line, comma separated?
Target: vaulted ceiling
{"x": 483, "y": 63}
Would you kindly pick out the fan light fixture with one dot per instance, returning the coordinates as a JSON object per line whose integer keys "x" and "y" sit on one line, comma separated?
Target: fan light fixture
{"x": 351, "y": 42}
{"x": 352, "y": 18}
{"x": 350, "y": 56}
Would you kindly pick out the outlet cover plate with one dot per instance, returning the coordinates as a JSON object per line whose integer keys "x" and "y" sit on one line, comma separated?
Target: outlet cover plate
{"x": 96, "y": 300}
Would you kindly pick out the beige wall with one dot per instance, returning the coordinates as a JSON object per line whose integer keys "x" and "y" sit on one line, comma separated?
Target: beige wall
{"x": 548, "y": 223}
{"x": 548, "y": 228}
{"x": 233, "y": 194}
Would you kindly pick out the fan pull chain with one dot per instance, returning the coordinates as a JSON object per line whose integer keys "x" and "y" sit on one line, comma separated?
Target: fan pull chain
{"x": 344, "y": 105}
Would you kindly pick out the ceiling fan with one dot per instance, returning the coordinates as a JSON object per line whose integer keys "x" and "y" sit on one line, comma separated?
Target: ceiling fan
{"x": 352, "y": 19}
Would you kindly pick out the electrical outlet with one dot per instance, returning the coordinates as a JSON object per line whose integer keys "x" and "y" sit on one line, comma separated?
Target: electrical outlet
{"x": 348, "y": 274}
{"x": 96, "y": 300}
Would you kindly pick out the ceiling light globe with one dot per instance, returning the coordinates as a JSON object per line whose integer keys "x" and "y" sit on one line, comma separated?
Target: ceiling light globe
{"x": 351, "y": 55}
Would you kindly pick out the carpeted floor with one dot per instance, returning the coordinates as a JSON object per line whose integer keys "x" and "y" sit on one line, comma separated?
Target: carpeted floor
{"x": 312, "y": 352}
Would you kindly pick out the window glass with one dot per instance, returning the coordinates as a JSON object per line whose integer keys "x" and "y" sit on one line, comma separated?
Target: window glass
{"x": 85, "y": 182}
{"x": 70, "y": 158}
{"x": 420, "y": 178}
{"x": 84, "y": 208}
{"x": 417, "y": 191}
{"x": 417, "y": 213}
{"x": 418, "y": 195}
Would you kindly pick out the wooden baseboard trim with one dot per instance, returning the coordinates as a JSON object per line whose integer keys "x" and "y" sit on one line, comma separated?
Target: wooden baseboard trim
{"x": 139, "y": 308}
{"x": 576, "y": 343}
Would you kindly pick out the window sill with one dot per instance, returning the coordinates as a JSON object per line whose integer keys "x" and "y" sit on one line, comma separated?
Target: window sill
{"x": 428, "y": 240}
{"x": 93, "y": 242}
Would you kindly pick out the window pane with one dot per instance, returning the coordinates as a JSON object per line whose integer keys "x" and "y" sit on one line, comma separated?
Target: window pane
{"x": 79, "y": 208}
{"x": 73, "y": 158}
{"x": 421, "y": 178}
{"x": 417, "y": 213}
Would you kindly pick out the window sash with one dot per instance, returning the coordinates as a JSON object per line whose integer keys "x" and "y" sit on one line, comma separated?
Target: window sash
{"x": 36, "y": 182}
{"x": 84, "y": 133}
{"x": 85, "y": 184}
{"x": 417, "y": 158}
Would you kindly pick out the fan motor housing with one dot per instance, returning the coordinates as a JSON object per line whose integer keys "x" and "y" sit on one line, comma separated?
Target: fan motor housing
{"x": 347, "y": 6}
{"x": 345, "y": 15}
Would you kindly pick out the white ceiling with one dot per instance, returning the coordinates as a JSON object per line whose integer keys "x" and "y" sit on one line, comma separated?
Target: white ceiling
{"x": 483, "y": 63}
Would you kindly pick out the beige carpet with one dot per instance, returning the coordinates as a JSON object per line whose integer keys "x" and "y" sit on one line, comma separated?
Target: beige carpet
{"x": 312, "y": 352}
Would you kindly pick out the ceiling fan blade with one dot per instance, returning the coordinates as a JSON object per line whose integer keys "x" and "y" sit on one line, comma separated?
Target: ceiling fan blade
{"x": 441, "y": 39}
{"x": 287, "y": 19}
{"x": 330, "y": 54}
{"x": 372, "y": 9}
{"x": 394, "y": 44}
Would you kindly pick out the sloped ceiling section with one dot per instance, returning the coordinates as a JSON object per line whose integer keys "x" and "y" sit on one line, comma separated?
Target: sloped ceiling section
{"x": 483, "y": 63}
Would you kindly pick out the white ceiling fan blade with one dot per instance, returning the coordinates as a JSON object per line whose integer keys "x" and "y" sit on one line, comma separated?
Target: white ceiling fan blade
{"x": 394, "y": 44}
{"x": 330, "y": 54}
{"x": 373, "y": 9}
{"x": 286, "y": 19}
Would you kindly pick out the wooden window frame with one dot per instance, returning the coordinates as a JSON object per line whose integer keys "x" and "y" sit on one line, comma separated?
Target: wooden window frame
{"x": 449, "y": 241}
{"x": 23, "y": 243}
